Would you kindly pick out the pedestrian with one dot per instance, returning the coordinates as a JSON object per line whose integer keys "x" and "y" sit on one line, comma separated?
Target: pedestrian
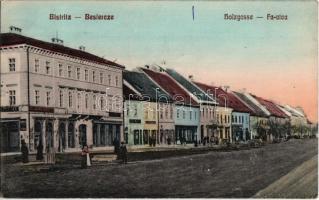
{"x": 123, "y": 151}
{"x": 25, "y": 152}
{"x": 116, "y": 146}
{"x": 85, "y": 157}
{"x": 40, "y": 151}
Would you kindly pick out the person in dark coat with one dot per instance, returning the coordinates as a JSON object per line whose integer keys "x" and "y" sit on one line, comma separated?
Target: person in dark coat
{"x": 40, "y": 151}
{"x": 123, "y": 151}
{"x": 116, "y": 144}
{"x": 25, "y": 152}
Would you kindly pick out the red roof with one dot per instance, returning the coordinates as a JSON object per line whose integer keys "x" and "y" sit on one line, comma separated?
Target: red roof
{"x": 271, "y": 107}
{"x": 7, "y": 39}
{"x": 170, "y": 86}
{"x": 231, "y": 100}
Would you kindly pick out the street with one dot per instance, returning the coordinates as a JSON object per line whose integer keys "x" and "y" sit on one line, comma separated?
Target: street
{"x": 214, "y": 174}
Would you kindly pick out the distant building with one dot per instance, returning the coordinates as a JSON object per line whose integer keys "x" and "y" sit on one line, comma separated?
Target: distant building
{"x": 222, "y": 114}
{"x": 258, "y": 115}
{"x": 156, "y": 106}
{"x": 206, "y": 102}
{"x": 276, "y": 119}
{"x": 186, "y": 109}
{"x": 58, "y": 96}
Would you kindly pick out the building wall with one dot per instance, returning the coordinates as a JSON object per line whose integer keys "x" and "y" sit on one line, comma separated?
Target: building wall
{"x": 134, "y": 121}
{"x": 223, "y": 117}
{"x": 49, "y": 77}
{"x": 240, "y": 120}
{"x": 166, "y": 122}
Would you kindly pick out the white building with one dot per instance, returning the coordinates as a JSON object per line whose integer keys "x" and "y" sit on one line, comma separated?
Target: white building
{"x": 58, "y": 96}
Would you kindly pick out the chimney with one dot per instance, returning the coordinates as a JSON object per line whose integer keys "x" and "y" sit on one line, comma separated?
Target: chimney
{"x": 191, "y": 77}
{"x": 147, "y": 66}
{"x": 14, "y": 29}
{"x": 82, "y": 48}
{"x": 243, "y": 90}
{"x": 56, "y": 40}
{"x": 226, "y": 87}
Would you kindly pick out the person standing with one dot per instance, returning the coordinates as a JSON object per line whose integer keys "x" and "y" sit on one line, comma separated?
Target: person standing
{"x": 85, "y": 157}
{"x": 40, "y": 151}
{"x": 123, "y": 151}
{"x": 25, "y": 152}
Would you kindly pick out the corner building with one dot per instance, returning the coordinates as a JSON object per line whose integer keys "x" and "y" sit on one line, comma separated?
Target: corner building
{"x": 58, "y": 96}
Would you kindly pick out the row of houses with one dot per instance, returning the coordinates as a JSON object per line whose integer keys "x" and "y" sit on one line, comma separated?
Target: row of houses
{"x": 63, "y": 98}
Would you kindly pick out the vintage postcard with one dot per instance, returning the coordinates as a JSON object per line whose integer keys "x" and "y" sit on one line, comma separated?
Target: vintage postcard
{"x": 159, "y": 99}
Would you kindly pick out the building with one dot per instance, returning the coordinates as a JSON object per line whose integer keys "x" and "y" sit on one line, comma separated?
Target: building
{"x": 258, "y": 115}
{"x": 185, "y": 109}
{"x": 133, "y": 115}
{"x": 58, "y": 96}
{"x": 157, "y": 108}
{"x": 205, "y": 100}
{"x": 223, "y": 111}
{"x": 277, "y": 118}
{"x": 299, "y": 124}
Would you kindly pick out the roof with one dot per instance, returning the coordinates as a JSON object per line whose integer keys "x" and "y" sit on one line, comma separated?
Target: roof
{"x": 270, "y": 106}
{"x": 257, "y": 111}
{"x": 188, "y": 85}
{"x": 170, "y": 86}
{"x": 7, "y": 39}
{"x": 214, "y": 91}
{"x": 225, "y": 98}
{"x": 130, "y": 94}
{"x": 144, "y": 85}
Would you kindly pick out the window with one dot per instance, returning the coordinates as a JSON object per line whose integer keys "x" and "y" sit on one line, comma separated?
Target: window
{"x": 12, "y": 97}
{"x": 232, "y": 118}
{"x": 190, "y": 115}
{"x": 221, "y": 118}
{"x": 94, "y": 102}
{"x": 70, "y": 99}
{"x": 48, "y": 98}
{"x": 217, "y": 118}
{"x": 36, "y": 65}
{"x": 78, "y": 73}
{"x": 235, "y": 119}
{"x": 60, "y": 69}
{"x": 128, "y": 109}
{"x": 228, "y": 119}
{"x": 166, "y": 113}
{"x": 61, "y": 98}
{"x": 116, "y": 81}
{"x": 225, "y": 120}
{"x": 47, "y": 67}
{"x": 86, "y": 75}
{"x": 101, "y": 78}
{"x": 161, "y": 114}
{"x": 171, "y": 112}
{"x": 79, "y": 100}
{"x": 109, "y": 79}
{"x": 184, "y": 114}
{"x": 69, "y": 72}
{"x": 195, "y": 115}
{"x": 135, "y": 110}
{"x": 177, "y": 113}
{"x": 12, "y": 64}
{"x": 37, "y": 97}
{"x": 93, "y": 76}
{"x": 86, "y": 100}
{"x": 102, "y": 103}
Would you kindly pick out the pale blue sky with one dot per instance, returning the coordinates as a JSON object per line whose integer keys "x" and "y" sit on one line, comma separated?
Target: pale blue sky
{"x": 247, "y": 54}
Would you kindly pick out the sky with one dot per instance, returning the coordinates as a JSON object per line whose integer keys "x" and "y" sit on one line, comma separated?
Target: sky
{"x": 272, "y": 59}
